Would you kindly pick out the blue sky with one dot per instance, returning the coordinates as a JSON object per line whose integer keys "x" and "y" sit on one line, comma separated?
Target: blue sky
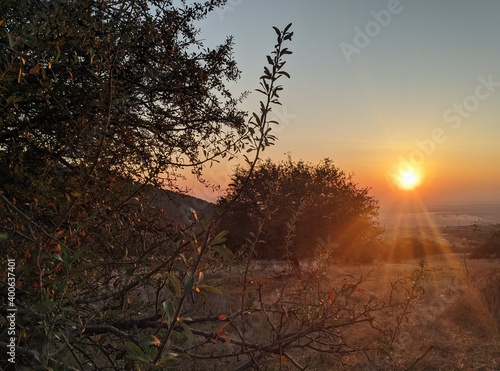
{"x": 418, "y": 67}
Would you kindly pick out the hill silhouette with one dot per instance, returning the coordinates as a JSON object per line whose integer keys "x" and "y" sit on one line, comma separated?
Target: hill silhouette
{"x": 182, "y": 207}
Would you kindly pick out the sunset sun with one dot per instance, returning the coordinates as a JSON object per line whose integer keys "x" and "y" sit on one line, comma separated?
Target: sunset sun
{"x": 408, "y": 180}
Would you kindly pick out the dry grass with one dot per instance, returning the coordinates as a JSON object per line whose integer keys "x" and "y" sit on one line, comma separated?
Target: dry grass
{"x": 456, "y": 314}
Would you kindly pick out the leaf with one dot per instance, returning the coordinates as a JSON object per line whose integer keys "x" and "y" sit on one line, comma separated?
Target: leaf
{"x": 169, "y": 309}
{"x": 331, "y": 298}
{"x": 58, "y": 257}
{"x": 212, "y": 289}
{"x": 65, "y": 253}
{"x": 284, "y": 73}
{"x": 151, "y": 352}
{"x": 221, "y": 331}
{"x": 176, "y": 285}
{"x": 188, "y": 333}
{"x": 79, "y": 253}
{"x": 188, "y": 284}
{"x": 224, "y": 251}
{"x": 148, "y": 340}
{"x": 220, "y": 238}
{"x": 257, "y": 118}
{"x": 169, "y": 357}
{"x": 134, "y": 352}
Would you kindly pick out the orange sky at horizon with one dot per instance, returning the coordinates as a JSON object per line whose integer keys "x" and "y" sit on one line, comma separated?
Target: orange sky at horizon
{"x": 436, "y": 187}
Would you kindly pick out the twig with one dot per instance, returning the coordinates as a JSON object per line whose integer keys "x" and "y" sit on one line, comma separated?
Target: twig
{"x": 419, "y": 358}
{"x": 32, "y": 354}
{"x": 294, "y": 362}
{"x": 28, "y": 219}
{"x": 97, "y": 329}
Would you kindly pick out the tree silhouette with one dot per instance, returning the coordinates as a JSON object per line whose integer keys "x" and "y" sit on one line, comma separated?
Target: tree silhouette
{"x": 327, "y": 201}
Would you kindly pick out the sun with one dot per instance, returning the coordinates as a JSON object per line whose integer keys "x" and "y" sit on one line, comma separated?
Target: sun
{"x": 409, "y": 179}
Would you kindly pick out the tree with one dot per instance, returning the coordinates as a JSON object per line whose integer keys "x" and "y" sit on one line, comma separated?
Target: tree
{"x": 116, "y": 87}
{"x": 328, "y": 202}
{"x": 100, "y": 101}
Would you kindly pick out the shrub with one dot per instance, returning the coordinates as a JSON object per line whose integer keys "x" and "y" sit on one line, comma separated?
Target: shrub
{"x": 489, "y": 249}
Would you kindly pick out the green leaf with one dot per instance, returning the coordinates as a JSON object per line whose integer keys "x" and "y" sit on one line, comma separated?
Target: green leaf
{"x": 58, "y": 257}
{"x": 134, "y": 352}
{"x": 220, "y": 238}
{"x": 146, "y": 341}
{"x": 188, "y": 284}
{"x": 169, "y": 309}
{"x": 65, "y": 253}
{"x": 61, "y": 286}
{"x": 212, "y": 289}
{"x": 224, "y": 251}
{"x": 188, "y": 333}
{"x": 176, "y": 285}
{"x": 152, "y": 352}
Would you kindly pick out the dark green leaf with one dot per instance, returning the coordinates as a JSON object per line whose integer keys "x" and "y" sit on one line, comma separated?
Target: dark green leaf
{"x": 175, "y": 284}
{"x": 134, "y": 352}
{"x": 188, "y": 284}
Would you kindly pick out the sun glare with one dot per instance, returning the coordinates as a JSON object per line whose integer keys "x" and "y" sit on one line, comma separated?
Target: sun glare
{"x": 408, "y": 180}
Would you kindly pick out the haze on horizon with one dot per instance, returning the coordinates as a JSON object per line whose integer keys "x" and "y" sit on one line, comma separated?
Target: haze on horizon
{"x": 379, "y": 86}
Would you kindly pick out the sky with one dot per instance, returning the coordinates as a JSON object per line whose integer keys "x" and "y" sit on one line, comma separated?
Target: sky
{"x": 381, "y": 88}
